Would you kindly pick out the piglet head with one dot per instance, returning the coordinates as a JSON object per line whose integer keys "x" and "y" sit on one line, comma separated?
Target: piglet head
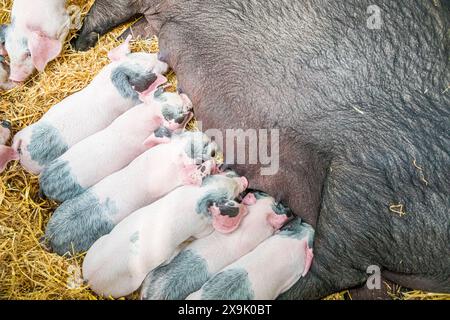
{"x": 227, "y": 216}
{"x": 21, "y": 64}
{"x": 279, "y": 215}
{"x": 276, "y": 213}
{"x": 175, "y": 108}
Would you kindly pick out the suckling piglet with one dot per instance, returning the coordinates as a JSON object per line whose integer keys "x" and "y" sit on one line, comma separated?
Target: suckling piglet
{"x": 267, "y": 271}
{"x": 80, "y": 221}
{"x": 7, "y": 154}
{"x": 117, "y": 263}
{"x": 203, "y": 258}
{"x": 111, "y": 149}
{"x": 112, "y": 92}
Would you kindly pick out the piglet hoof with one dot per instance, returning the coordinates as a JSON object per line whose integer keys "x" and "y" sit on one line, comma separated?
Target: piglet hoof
{"x": 45, "y": 244}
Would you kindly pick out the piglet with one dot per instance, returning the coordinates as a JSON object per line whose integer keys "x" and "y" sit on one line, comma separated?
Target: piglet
{"x": 80, "y": 221}
{"x": 112, "y": 92}
{"x": 7, "y": 154}
{"x": 190, "y": 269}
{"x": 267, "y": 271}
{"x": 111, "y": 149}
{"x": 117, "y": 263}
{"x": 35, "y": 36}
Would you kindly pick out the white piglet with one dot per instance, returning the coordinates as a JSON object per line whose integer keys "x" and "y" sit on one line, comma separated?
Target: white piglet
{"x": 266, "y": 272}
{"x": 35, "y": 36}
{"x": 201, "y": 259}
{"x": 117, "y": 263}
{"x": 111, "y": 149}
{"x": 80, "y": 221}
{"x": 112, "y": 92}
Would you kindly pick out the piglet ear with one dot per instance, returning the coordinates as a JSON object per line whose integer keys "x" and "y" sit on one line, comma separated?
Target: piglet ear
{"x": 277, "y": 220}
{"x": 121, "y": 51}
{"x": 228, "y": 216}
{"x": 249, "y": 199}
{"x": 146, "y": 95}
{"x": 153, "y": 141}
{"x": 7, "y": 154}
{"x": 43, "y": 49}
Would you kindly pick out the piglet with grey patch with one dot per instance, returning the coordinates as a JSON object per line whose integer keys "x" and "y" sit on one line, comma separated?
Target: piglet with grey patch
{"x": 80, "y": 221}
{"x": 111, "y": 149}
{"x": 112, "y": 92}
{"x": 7, "y": 154}
{"x": 117, "y": 263}
{"x": 203, "y": 258}
{"x": 266, "y": 272}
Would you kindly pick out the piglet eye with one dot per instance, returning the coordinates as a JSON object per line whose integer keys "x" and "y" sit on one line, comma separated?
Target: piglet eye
{"x": 27, "y": 54}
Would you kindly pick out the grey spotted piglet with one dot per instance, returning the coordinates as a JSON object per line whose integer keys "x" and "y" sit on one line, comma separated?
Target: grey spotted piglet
{"x": 112, "y": 92}
{"x": 266, "y": 272}
{"x": 117, "y": 263}
{"x": 111, "y": 149}
{"x": 7, "y": 154}
{"x": 80, "y": 221}
{"x": 203, "y": 258}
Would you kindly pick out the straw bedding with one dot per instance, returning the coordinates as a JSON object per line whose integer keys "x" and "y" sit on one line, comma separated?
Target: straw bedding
{"x": 27, "y": 271}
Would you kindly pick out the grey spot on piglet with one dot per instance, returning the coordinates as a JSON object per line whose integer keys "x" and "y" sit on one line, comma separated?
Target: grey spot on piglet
{"x": 130, "y": 78}
{"x": 78, "y": 223}
{"x": 58, "y": 183}
{"x": 298, "y": 230}
{"x": 232, "y": 284}
{"x": 185, "y": 274}
{"x": 162, "y": 132}
{"x": 46, "y": 144}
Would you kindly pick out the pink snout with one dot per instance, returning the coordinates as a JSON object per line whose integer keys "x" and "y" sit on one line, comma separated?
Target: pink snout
{"x": 18, "y": 74}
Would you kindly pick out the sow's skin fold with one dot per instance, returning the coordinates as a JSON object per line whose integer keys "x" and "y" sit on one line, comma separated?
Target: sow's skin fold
{"x": 112, "y": 92}
{"x": 7, "y": 154}
{"x": 117, "y": 263}
{"x": 266, "y": 272}
{"x": 80, "y": 221}
{"x": 111, "y": 149}
{"x": 200, "y": 260}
